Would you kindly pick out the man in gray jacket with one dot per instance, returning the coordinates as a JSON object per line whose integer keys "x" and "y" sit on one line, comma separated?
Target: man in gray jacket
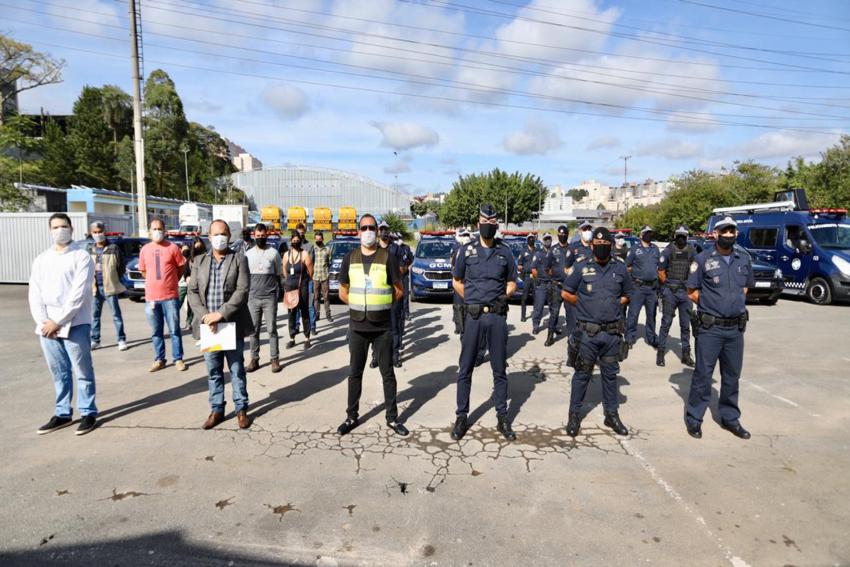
{"x": 218, "y": 293}
{"x": 264, "y": 263}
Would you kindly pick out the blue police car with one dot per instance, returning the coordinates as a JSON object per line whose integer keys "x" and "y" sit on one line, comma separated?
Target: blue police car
{"x": 342, "y": 243}
{"x": 431, "y": 271}
{"x": 810, "y": 246}
{"x": 517, "y": 241}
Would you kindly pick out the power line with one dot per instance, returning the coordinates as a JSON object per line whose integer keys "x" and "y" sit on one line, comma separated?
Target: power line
{"x": 766, "y": 16}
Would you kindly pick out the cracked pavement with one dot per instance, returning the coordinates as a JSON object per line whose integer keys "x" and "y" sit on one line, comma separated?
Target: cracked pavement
{"x": 149, "y": 487}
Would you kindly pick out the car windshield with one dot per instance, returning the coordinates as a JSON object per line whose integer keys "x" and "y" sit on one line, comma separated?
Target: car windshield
{"x": 342, "y": 247}
{"x": 832, "y": 235}
{"x": 132, "y": 247}
{"x": 434, "y": 249}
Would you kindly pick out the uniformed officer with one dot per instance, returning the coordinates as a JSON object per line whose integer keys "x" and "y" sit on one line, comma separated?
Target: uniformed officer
{"x": 642, "y": 263}
{"x": 620, "y": 250}
{"x": 462, "y": 238}
{"x": 542, "y": 280}
{"x": 718, "y": 282}
{"x": 485, "y": 276}
{"x": 406, "y": 255}
{"x": 673, "y": 273}
{"x": 526, "y": 259}
{"x": 557, "y": 269}
{"x": 597, "y": 287}
{"x": 580, "y": 250}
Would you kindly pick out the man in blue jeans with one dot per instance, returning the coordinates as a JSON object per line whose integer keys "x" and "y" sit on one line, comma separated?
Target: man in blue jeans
{"x": 107, "y": 287}
{"x": 218, "y": 293}
{"x": 162, "y": 264}
{"x": 60, "y": 300}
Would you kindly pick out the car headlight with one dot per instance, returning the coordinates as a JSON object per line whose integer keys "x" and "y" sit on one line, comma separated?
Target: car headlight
{"x": 418, "y": 271}
{"x": 842, "y": 265}
{"x": 777, "y": 274}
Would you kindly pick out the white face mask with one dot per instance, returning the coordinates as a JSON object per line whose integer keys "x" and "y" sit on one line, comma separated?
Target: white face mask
{"x": 61, "y": 235}
{"x": 368, "y": 238}
{"x": 157, "y": 235}
{"x": 219, "y": 241}
{"x": 586, "y": 235}
{"x": 99, "y": 237}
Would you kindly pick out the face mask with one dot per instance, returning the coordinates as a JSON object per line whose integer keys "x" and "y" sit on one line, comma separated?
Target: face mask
{"x": 199, "y": 249}
{"x": 646, "y": 237}
{"x": 185, "y": 253}
{"x": 261, "y": 241}
{"x": 157, "y": 235}
{"x": 681, "y": 241}
{"x": 61, "y": 235}
{"x": 562, "y": 238}
{"x": 296, "y": 245}
{"x": 368, "y": 238}
{"x": 586, "y": 235}
{"x": 385, "y": 236}
{"x": 465, "y": 240}
{"x": 487, "y": 230}
{"x": 602, "y": 252}
{"x": 619, "y": 242}
{"x": 99, "y": 237}
{"x": 726, "y": 242}
{"x": 547, "y": 244}
{"x": 219, "y": 241}
{"x": 531, "y": 243}
{"x": 320, "y": 243}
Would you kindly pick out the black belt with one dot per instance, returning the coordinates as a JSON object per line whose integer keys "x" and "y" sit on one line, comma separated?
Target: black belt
{"x": 476, "y": 309}
{"x": 727, "y": 321}
{"x": 674, "y": 286}
{"x": 615, "y": 327}
{"x": 644, "y": 282}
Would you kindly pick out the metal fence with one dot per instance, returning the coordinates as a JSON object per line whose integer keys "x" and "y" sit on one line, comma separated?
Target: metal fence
{"x": 23, "y": 236}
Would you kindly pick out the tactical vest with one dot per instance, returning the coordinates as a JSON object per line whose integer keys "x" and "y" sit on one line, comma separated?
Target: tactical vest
{"x": 369, "y": 295}
{"x": 679, "y": 263}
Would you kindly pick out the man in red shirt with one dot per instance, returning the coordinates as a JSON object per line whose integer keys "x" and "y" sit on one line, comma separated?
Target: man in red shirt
{"x": 161, "y": 262}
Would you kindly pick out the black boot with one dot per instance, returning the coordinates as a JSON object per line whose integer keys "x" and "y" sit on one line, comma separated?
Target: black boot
{"x": 687, "y": 360}
{"x": 659, "y": 357}
{"x": 504, "y": 428}
{"x": 459, "y": 429}
{"x": 550, "y": 338}
{"x": 573, "y": 424}
{"x": 612, "y": 420}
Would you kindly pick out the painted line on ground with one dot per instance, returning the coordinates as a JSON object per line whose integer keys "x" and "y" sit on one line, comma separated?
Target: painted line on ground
{"x": 782, "y": 399}
{"x": 733, "y": 559}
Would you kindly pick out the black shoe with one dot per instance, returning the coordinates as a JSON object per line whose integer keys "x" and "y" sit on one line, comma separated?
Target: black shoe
{"x": 535, "y": 330}
{"x": 55, "y": 423}
{"x": 373, "y": 363}
{"x": 550, "y": 339}
{"x": 659, "y": 357}
{"x": 87, "y": 424}
{"x": 736, "y": 429}
{"x": 399, "y": 428}
{"x": 573, "y": 424}
{"x": 346, "y": 426}
{"x": 687, "y": 360}
{"x": 457, "y": 331}
{"x": 504, "y": 427}
{"x": 397, "y": 363}
{"x": 612, "y": 420}
{"x": 558, "y": 332}
{"x": 291, "y": 343}
{"x": 522, "y": 319}
{"x": 694, "y": 430}
{"x": 459, "y": 429}
{"x": 479, "y": 360}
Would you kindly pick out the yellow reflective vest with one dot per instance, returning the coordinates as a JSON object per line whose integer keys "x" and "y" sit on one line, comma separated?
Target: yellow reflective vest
{"x": 369, "y": 295}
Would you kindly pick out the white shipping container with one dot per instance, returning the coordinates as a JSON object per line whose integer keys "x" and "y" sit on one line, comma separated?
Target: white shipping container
{"x": 23, "y": 236}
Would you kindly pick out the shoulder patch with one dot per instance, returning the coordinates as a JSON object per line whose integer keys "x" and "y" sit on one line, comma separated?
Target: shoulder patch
{"x": 694, "y": 267}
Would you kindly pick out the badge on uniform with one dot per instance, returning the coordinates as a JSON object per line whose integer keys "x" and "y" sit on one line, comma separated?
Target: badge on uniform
{"x": 712, "y": 265}
{"x": 694, "y": 267}
{"x": 589, "y": 288}
{"x": 717, "y": 280}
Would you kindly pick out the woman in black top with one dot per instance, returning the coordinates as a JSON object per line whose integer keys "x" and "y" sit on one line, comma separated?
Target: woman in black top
{"x": 298, "y": 269}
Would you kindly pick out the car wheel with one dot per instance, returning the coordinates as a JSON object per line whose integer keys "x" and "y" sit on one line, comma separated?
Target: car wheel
{"x": 818, "y": 292}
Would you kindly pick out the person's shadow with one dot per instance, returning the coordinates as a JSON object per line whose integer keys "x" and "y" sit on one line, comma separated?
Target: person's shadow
{"x": 419, "y": 392}
{"x": 300, "y": 390}
{"x": 593, "y": 396}
{"x": 681, "y": 384}
{"x": 190, "y": 388}
{"x": 520, "y": 387}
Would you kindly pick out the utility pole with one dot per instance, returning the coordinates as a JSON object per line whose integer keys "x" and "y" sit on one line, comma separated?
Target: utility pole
{"x": 138, "y": 133}
{"x": 625, "y": 169}
{"x": 186, "y": 169}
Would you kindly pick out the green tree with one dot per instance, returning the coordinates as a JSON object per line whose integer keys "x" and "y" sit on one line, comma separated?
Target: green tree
{"x": 57, "y": 163}
{"x": 639, "y": 216}
{"x": 577, "y": 194}
{"x": 18, "y": 152}
{"x": 166, "y": 128}
{"x": 397, "y": 224}
{"x": 517, "y": 197}
{"x": 89, "y": 141}
{"x": 827, "y": 182}
{"x": 24, "y": 69}
{"x": 117, "y": 112}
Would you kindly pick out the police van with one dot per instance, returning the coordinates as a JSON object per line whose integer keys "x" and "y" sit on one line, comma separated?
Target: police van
{"x": 810, "y": 246}
{"x": 431, "y": 271}
{"x": 343, "y": 242}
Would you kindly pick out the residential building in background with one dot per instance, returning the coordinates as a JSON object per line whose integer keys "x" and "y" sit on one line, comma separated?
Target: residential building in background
{"x": 241, "y": 159}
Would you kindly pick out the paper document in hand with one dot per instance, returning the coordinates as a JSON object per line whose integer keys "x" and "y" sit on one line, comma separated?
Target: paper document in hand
{"x": 224, "y": 337}
{"x": 63, "y": 332}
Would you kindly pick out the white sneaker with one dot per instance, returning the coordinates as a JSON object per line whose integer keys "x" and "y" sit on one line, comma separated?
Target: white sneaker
{"x": 122, "y": 345}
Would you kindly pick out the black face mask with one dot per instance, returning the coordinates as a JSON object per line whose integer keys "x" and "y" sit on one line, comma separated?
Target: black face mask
{"x": 296, "y": 245}
{"x": 726, "y": 242}
{"x": 646, "y": 237}
{"x": 562, "y": 238}
{"x": 602, "y": 252}
{"x": 531, "y": 243}
{"x": 320, "y": 243}
{"x": 261, "y": 241}
{"x": 681, "y": 241}
{"x": 185, "y": 253}
{"x": 385, "y": 236}
{"x": 487, "y": 231}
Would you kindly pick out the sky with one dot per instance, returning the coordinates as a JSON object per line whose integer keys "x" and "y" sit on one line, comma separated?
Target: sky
{"x": 413, "y": 93}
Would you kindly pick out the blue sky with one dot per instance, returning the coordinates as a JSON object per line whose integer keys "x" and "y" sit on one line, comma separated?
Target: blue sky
{"x": 558, "y": 88}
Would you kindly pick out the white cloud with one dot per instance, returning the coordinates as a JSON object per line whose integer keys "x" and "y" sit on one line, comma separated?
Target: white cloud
{"x": 405, "y": 135}
{"x": 288, "y": 101}
{"x": 671, "y": 149}
{"x": 397, "y": 167}
{"x": 537, "y": 138}
{"x": 783, "y": 145}
{"x": 101, "y": 15}
{"x": 604, "y": 142}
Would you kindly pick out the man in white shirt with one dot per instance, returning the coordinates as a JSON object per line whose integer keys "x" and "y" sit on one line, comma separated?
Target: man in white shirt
{"x": 61, "y": 301}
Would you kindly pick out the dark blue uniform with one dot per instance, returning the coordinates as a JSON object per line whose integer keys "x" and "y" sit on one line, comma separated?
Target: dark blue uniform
{"x": 541, "y": 285}
{"x": 643, "y": 261}
{"x": 558, "y": 269}
{"x": 579, "y": 252}
{"x": 721, "y": 281}
{"x": 406, "y": 257}
{"x": 599, "y": 289}
{"x": 676, "y": 263}
{"x": 526, "y": 259}
{"x": 485, "y": 273}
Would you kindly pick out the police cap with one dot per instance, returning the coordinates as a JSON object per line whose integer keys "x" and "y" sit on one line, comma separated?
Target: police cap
{"x": 647, "y": 228}
{"x": 682, "y": 230}
{"x": 383, "y": 224}
{"x": 548, "y": 237}
{"x": 586, "y": 224}
{"x": 602, "y": 233}
{"x": 487, "y": 211}
{"x": 725, "y": 222}
{"x": 563, "y": 229}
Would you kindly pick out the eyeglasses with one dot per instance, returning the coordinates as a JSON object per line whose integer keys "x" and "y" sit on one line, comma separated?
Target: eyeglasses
{"x": 370, "y": 227}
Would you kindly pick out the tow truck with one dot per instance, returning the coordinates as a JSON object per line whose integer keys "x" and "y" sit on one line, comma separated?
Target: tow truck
{"x": 431, "y": 272}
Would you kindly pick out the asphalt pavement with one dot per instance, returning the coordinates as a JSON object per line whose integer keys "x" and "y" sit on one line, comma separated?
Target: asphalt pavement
{"x": 149, "y": 487}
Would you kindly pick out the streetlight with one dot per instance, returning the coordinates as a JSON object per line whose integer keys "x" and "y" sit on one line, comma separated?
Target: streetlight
{"x": 186, "y": 170}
